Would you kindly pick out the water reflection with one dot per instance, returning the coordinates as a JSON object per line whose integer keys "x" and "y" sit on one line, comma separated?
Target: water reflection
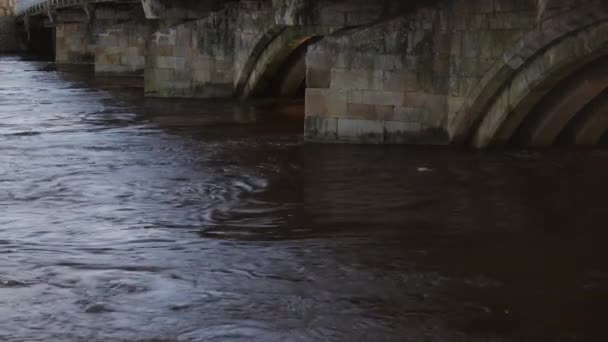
{"x": 127, "y": 218}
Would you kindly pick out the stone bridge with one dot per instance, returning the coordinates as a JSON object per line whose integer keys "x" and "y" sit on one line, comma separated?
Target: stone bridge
{"x": 479, "y": 72}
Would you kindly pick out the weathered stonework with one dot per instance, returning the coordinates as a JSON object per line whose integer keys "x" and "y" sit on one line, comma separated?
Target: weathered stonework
{"x": 121, "y": 49}
{"x": 8, "y": 42}
{"x": 7, "y": 8}
{"x": 558, "y": 21}
{"x": 406, "y": 79}
{"x": 112, "y": 38}
{"x": 195, "y": 59}
{"x": 387, "y": 83}
{"x": 526, "y": 89}
{"x": 234, "y": 51}
{"x": 211, "y": 57}
{"x": 74, "y": 44}
{"x": 385, "y": 71}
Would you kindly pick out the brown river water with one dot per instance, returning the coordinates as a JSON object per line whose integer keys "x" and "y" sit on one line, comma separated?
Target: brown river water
{"x": 130, "y": 219}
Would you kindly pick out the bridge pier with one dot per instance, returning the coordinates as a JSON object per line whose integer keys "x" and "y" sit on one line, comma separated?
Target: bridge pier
{"x": 74, "y": 44}
{"x": 382, "y": 72}
{"x": 8, "y": 33}
{"x": 194, "y": 60}
{"x": 120, "y": 49}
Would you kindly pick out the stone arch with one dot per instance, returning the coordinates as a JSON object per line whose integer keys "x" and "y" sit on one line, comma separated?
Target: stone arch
{"x": 564, "y": 104}
{"x": 461, "y": 124}
{"x": 265, "y": 62}
{"x": 535, "y": 79}
{"x": 245, "y": 70}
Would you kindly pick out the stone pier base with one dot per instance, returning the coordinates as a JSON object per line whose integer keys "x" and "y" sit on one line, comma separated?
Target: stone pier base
{"x": 8, "y": 34}
{"x": 8, "y": 41}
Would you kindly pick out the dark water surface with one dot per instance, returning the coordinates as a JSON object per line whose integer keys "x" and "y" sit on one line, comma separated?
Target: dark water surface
{"x": 123, "y": 219}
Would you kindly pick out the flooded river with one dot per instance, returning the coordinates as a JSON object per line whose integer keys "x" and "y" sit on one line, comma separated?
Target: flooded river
{"x": 125, "y": 219}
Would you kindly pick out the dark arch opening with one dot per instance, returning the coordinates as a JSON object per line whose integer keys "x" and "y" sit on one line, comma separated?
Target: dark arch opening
{"x": 42, "y": 43}
{"x": 37, "y": 40}
{"x": 289, "y": 79}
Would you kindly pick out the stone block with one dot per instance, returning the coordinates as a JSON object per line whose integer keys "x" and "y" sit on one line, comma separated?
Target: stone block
{"x": 136, "y": 62}
{"x": 355, "y": 18}
{"x": 223, "y": 71}
{"x": 360, "y": 131}
{"x": 376, "y": 97}
{"x": 361, "y": 111}
{"x": 356, "y": 79}
{"x": 162, "y": 75}
{"x": 320, "y": 129}
{"x": 61, "y": 56}
{"x": 177, "y": 85}
{"x": 409, "y": 114}
{"x": 336, "y": 102}
{"x": 403, "y": 80}
{"x": 203, "y": 62}
{"x": 318, "y": 78}
{"x": 201, "y": 75}
{"x": 106, "y": 40}
{"x": 332, "y": 18}
{"x": 8, "y": 41}
{"x": 399, "y": 132}
{"x": 164, "y": 50}
{"x": 434, "y": 105}
{"x": 361, "y": 61}
{"x": 133, "y": 51}
{"x": 108, "y": 58}
{"x": 389, "y": 62}
{"x": 165, "y": 62}
{"x": 315, "y": 103}
{"x": 112, "y": 50}
{"x": 111, "y": 69}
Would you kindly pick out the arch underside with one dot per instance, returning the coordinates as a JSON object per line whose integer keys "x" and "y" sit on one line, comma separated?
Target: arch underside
{"x": 280, "y": 67}
{"x": 571, "y": 113}
{"x": 557, "y": 95}
{"x": 549, "y": 87}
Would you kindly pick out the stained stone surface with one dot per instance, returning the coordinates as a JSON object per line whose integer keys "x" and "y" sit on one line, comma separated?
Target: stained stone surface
{"x": 8, "y": 41}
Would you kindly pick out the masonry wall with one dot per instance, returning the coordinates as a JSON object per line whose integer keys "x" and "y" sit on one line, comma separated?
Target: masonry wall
{"x": 195, "y": 59}
{"x": 268, "y": 32}
{"x": 120, "y": 49}
{"x": 215, "y": 56}
{"x": 397, "y": 81}
{"x": 206, "y": 58}
{"x": 8, "y": 41}
{"x": 75, "y": 43}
